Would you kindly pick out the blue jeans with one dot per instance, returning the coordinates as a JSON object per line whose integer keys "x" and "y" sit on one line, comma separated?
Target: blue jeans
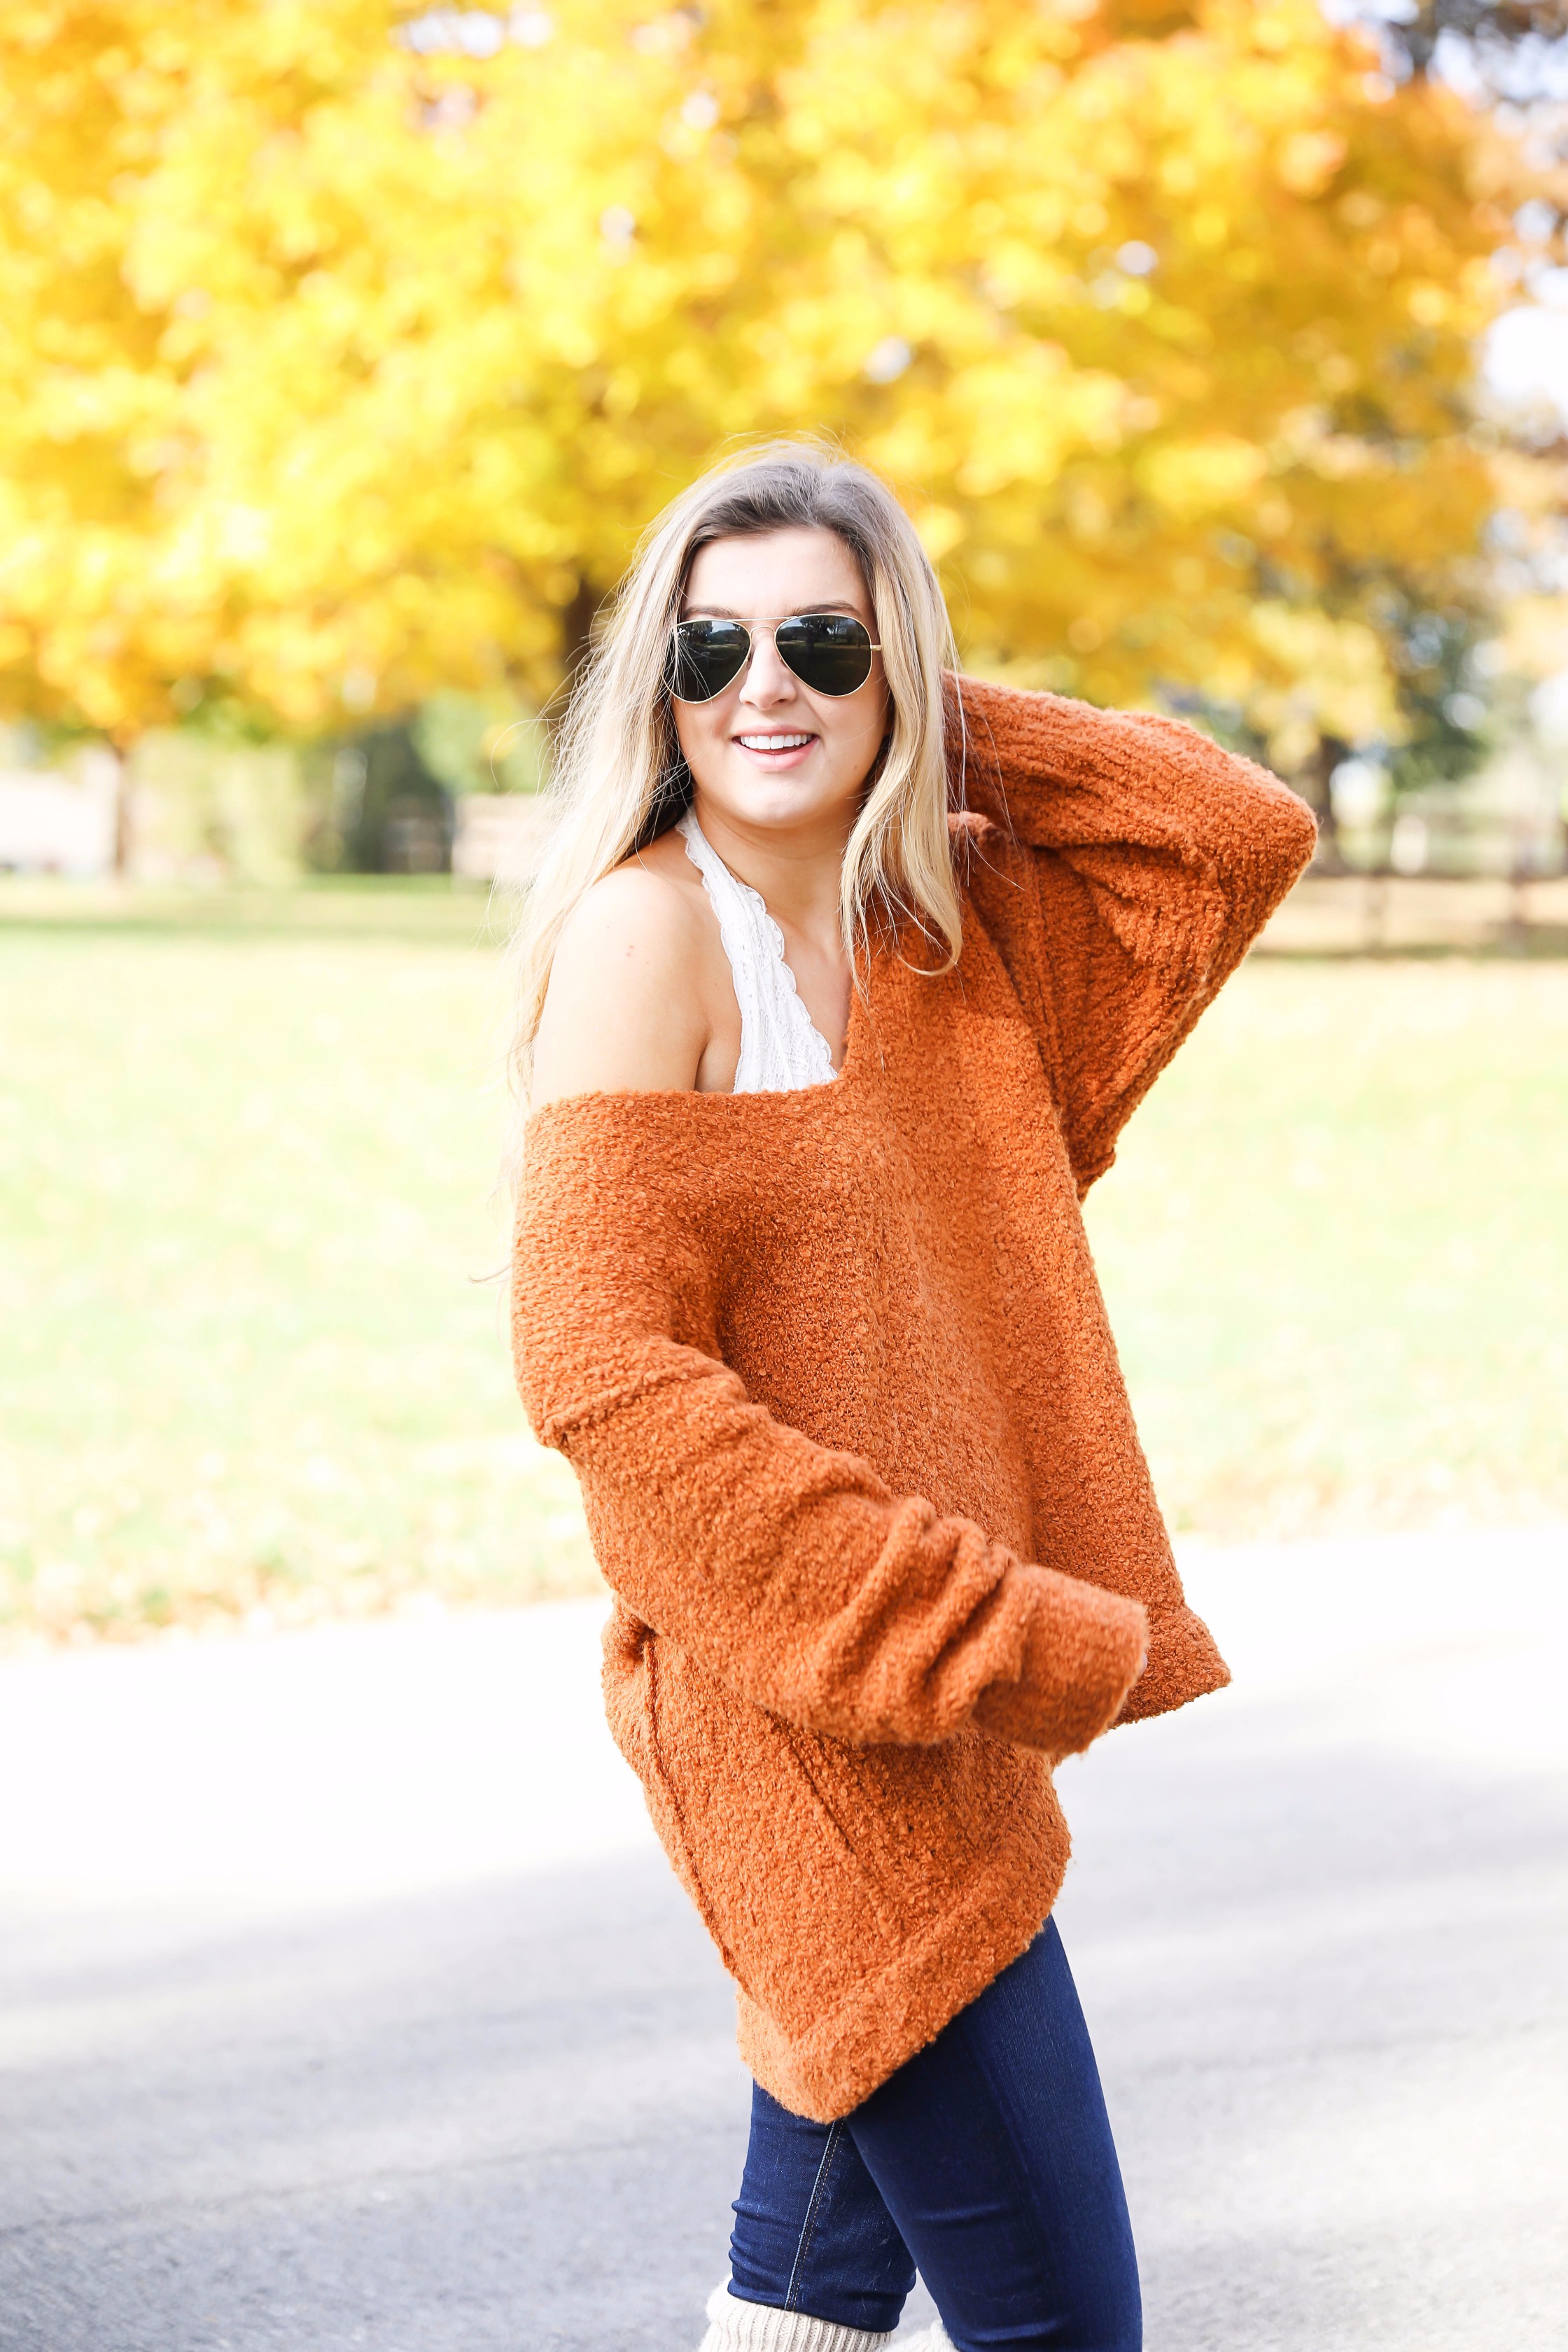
{"x": 987, "y": 2160}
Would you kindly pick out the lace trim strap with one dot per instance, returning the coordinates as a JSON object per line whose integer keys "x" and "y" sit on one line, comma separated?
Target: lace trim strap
{"x": 781, "y": 1047}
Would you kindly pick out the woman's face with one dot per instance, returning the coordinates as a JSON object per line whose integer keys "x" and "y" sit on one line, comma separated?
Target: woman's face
{"x": 767, "y": 750}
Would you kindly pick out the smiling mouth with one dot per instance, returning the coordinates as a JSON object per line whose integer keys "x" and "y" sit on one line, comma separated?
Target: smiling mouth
{"x": 774, "y": 742}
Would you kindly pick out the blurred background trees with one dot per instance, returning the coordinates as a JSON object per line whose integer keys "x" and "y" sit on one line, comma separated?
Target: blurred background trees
{"x": 349, "y": 347}
{"x": 345, "y": 349}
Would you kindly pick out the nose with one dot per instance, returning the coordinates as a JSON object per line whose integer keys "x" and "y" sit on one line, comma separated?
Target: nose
{"x": 768, "y": 680}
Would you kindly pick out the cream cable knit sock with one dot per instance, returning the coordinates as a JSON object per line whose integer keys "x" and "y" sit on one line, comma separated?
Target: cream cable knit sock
{"x": 737, "y": 2326}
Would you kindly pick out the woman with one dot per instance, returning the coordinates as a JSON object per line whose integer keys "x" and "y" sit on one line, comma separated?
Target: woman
{"x": 841, "y": 977}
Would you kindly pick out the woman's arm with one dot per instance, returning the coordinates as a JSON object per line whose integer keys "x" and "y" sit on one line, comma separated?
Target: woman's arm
{"x": 1155, "y": 859}
{"x": 789, "y": 1570}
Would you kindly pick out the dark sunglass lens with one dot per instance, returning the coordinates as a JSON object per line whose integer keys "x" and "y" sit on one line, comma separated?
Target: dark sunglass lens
{"x": 709, "y": 657}
{"x": 829, "y": 652}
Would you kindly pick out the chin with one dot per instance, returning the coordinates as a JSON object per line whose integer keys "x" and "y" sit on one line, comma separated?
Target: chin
{"x": 774, "y": 799}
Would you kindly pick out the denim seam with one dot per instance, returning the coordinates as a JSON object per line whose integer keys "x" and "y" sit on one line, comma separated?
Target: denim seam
{"x": 807, "y": 2228}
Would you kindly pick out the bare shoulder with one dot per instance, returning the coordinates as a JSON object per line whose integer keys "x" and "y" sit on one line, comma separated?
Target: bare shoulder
{"x": 628, "y": 1006}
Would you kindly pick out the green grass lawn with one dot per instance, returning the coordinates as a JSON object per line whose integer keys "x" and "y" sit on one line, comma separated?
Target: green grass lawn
{"x": 253, "y": 1362}
{"x": 1335, "y": 1251}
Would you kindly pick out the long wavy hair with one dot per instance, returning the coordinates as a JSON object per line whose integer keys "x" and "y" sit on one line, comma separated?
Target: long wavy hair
{"x": 619, "y": 779}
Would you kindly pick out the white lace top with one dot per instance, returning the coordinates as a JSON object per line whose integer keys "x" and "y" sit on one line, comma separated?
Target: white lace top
{"x": 781, "y": 1047}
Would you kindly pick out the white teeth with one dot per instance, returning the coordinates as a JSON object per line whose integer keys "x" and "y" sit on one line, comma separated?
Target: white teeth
{"x": 773, "y": 742}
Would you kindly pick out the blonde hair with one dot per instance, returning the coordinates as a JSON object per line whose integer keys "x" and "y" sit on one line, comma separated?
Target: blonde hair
{"x": 619, "y": 779}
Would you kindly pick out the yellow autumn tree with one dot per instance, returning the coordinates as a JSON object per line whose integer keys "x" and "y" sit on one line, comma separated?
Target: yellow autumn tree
{"x": 347, "y": 349}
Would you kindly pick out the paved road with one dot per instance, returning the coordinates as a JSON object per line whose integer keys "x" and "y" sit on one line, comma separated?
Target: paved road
{"x": 348, "y": 2003}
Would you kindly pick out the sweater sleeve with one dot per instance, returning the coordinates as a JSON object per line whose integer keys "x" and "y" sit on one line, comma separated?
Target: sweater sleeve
{"x": 789, "y": 1570}
{"x": 1153, "y": 859}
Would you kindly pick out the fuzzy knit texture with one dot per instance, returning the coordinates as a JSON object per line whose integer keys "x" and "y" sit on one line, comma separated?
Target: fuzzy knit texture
{"x": 734, "y": 2325}
{"x": 832, "y": 1368}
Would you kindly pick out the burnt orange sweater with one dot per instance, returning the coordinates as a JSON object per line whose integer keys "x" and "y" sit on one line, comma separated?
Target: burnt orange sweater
{"x": 834, "y": 1371}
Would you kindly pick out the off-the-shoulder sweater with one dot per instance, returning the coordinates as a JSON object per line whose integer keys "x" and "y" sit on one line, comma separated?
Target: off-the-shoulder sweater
{"x": 832, "y": 1368}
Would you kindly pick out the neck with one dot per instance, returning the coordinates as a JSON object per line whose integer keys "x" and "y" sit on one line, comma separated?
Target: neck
{"x": 794, "y": 870}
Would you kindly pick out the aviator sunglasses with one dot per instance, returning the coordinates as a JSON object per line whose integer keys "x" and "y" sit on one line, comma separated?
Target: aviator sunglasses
{"x": 829, "y": 652}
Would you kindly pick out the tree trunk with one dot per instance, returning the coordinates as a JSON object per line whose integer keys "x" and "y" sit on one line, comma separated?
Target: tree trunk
{"x": 1316, "y": 790}
{"x": 577, "y": 631}
{"x": 122, "y": 835}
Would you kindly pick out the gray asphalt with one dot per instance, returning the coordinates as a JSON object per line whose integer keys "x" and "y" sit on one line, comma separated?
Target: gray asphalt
{"x": 456, "y": 2096}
